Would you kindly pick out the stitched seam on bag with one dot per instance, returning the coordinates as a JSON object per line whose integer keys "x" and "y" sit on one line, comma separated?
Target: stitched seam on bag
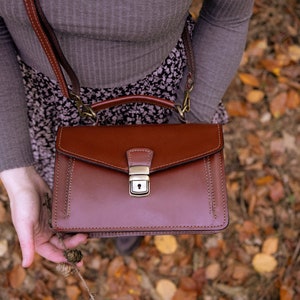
{"x": 67, "y": 204}
{"x": 223, "y": 187}
{"x": 136, "y": 228}
{"x": 208, "y": 186}
{"x": 55, "y": 193}
{"x": 187, "y": 159}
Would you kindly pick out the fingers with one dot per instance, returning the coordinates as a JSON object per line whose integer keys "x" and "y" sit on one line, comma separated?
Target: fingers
{"x": 70, "y": 241}
{"x": 27, "y": 245}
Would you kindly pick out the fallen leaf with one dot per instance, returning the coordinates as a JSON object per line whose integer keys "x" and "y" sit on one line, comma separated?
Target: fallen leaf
{"x": 278, "y": 105}
{"x": 255, "y": 96}
{"x": 3, "y": 247}
{"x": 73, "y": 292}
{"x": 17, "y": 276}
{"x": 271, "y": 65}
{"x": 293, "y": 99}
{"x": 185, "y": 295}
{"x": 294, "y": 52}
{"x": 264, "y": 263}
{"x": 116, "y": 268}
{"x": 249, "y": 79}
{"x": 240, "y": 273}
{"x": 257, "y": 48}
{"x": 237, "y": 108}
{"x": 270, "y": 245}
{"x": 277, "y": 191}
{"x": 264, "y": 180}
{"x": 212, "y": 271}
{"x": 166, "y": 244}
{"x": 166, "y": 289}
{"x": 188, "y": 284}
{"x": 286, "y": 293}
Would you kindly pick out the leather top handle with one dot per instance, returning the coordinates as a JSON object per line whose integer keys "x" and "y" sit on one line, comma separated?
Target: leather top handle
{"x": 132, "y": 99}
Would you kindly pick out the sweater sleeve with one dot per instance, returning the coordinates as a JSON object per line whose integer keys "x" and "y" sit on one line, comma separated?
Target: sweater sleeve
{"x": 15, "y": 148}
{"x": 219, "y": 39}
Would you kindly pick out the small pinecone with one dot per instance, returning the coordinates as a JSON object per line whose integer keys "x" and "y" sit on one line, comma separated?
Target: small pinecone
{"x": 65, "y": 269}
{"x": 73, "y": 255}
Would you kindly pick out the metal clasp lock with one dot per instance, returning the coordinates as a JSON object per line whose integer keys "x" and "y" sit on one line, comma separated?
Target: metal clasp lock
{"x": 139, "y": 181}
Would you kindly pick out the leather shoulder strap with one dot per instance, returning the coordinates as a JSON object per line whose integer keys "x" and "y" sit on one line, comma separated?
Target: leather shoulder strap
{"x": 50, "y": 44}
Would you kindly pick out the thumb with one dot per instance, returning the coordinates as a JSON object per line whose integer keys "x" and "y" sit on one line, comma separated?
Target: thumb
{"x": 27, "y": 246}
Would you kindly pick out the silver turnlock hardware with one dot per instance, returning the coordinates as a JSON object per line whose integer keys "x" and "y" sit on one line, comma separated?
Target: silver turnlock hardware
{"x": 139, "y": 181}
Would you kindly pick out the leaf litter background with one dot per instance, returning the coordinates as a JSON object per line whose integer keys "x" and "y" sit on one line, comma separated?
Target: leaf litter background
{"x": 258, "y": 256}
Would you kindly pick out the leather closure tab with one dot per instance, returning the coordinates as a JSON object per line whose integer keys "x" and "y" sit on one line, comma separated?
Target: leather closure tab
{"x": 139, "y": 163}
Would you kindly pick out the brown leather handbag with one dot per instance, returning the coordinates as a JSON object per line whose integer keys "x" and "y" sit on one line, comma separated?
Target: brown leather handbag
{"x": 135, "y": 179}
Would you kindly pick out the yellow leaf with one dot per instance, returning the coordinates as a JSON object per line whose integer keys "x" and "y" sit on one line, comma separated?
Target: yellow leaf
{"x": 264, "y": 263}
{"x": 264, "y": 180}
{"x": 166, "y": 244}
{"x": 270, "y": 245}
{"x": 249, "y": 79}
{"x": 255, "y": 96}
{"x": 166, "y": 289}
{"x": 294, "y": 52}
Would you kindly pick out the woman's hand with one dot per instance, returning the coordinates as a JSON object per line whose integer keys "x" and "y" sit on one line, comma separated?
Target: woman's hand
{"x": 27, "y": 192}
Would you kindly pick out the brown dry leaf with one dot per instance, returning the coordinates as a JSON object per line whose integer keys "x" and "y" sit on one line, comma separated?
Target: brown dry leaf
{"x": 187, "y": 284}
{"x": 73, "y": 292}
{"x": 249, "y": 79}
{"x": 199, "y": 277}
{"x": 294, "y": 52}
{"x": 270, "y": 245}
{"x": 237, "y": 108}
{"x": 257, "y": 48}
{"x": 3, "y": 213}
{"x": 116, "y": 268}
{"x": 264, "y": 180}
{"x": 255, "y": 96}
{"x": 16, "y": 276}
{"x": 277, "y": 191}
{"x": 264, "y": 263}
{"x": 286, "y": 293}
{"x": 212, "y": 271}
{"x": 166, "y": 289}
{"x": 283, "y": 59}
{"x": 271, "y": 65}
{"x": 278, "y": 105}
{"x": 293, "y": 99}
{"x": 185, "y": 295}
{"x": 165, "y": 244}
{"x": 240, "y": 273}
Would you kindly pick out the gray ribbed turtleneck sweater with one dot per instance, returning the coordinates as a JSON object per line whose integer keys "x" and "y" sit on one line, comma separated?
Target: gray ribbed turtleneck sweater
{"x": 113, "y": 43}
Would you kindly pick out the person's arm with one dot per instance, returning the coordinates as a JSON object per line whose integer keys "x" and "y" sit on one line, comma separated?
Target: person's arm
{"x": 219, "y": 40}
{"x": 25, "y": 188}
{"x": 15, "y": 149}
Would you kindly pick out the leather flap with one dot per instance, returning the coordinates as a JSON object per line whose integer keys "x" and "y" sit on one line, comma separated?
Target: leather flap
{"x": 172, "y": 144}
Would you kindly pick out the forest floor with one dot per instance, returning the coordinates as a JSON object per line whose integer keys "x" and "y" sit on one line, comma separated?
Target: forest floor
{"x": 258, "y": 255}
